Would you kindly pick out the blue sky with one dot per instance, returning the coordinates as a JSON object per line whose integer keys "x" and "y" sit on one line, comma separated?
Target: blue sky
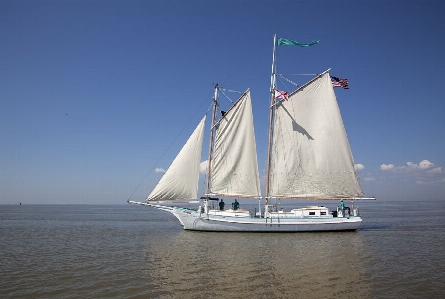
{"x": 92, "y": 93}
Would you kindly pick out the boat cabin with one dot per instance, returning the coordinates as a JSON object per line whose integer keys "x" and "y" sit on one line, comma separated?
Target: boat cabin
{"x": 311, "y": 211}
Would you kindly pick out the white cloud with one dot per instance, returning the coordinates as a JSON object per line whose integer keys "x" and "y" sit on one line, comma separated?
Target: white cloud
{"x": 411, "y": 165}
{"x": 423, "y": 182}
{"x": 435, "y": 170}
{"x": 385, "y": 167}
{"x": 203, "y": 167}
{"x": 359, "y": 167}
{"x": 369, "y": 179}
{"x": 424, "y": 173}
{"x": 424, "y": 165}
{"x": 158, "y": 170}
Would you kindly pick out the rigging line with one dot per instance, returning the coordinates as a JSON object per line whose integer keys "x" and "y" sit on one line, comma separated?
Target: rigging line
{"x": 298, "y": 74}
{"x": 222, "y": 91}
{"x": 254, "y": 78}
{"x": 230, "y": 90}
{"x": 163, "y": 154}
{"x": 283, "y": 83}
{"x": 245, "y": 62}
{"x": 244, "y": 183}
{"x": 288, "y": 80}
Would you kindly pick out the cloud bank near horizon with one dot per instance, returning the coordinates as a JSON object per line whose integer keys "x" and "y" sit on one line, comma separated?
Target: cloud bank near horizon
{"x": 423, "y": 166}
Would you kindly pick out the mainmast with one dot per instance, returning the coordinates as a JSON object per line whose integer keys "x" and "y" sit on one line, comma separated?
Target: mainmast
{"x": 271, "y": 116}
{"x": 215, "y": 104}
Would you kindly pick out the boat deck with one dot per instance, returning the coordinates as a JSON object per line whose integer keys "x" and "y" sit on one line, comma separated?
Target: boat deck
{"x": 310, "y": 212}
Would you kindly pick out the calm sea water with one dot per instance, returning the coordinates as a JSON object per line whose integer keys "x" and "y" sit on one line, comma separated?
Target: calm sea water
{"x": 127, "y": 251}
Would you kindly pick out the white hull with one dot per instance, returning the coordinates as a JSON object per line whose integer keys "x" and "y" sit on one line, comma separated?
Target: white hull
{"x": 193, "y": 220}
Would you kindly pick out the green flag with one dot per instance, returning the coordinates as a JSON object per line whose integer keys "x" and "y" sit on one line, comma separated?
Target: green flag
{"x": 289, "y": 42}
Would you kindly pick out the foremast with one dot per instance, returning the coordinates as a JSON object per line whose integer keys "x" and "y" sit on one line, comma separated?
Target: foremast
{"x": 212, "y": 129}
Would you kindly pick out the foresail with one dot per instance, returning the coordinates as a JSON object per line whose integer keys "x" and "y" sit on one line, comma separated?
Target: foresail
{"x": 311, "y": 156}
{"x": 180, "y": 181}
{"x": 234, "y": 170}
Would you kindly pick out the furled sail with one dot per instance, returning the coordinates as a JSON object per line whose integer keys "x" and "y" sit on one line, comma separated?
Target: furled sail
{"x": 180, "y": 181}
{"x": 311, "y": 156}
{"x": 234, "y": 168}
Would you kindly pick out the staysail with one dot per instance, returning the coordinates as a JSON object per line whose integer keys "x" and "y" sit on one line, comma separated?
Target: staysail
{"x": 234, "y": 170}
{"x": 311, "y": 156}
{"x": 180, "y": 181}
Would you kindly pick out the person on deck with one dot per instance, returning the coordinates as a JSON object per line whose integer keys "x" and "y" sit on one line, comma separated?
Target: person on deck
{"x": 221, "y": 205}
{"x": 235, "y": 205}
{"x": 342, "y": 207}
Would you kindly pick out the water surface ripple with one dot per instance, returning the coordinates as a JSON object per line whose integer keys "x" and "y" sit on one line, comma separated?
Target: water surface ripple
{"x": 125, "y": 251}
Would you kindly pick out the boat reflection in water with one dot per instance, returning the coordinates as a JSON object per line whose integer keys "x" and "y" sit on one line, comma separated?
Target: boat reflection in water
{"x": 260, "y": 265}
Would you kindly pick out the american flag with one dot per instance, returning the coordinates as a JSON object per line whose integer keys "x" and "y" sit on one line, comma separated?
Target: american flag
{"x": 339, "y": 82}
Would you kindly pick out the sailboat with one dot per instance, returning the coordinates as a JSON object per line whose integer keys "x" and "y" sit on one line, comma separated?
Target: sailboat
{"x": 308, "y": 158}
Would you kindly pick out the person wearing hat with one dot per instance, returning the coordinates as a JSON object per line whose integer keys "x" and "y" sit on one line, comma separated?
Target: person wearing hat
{"x": 342, "y": 207}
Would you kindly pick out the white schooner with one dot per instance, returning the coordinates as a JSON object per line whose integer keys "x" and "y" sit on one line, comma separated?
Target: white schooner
{"x": 309, "y": 158}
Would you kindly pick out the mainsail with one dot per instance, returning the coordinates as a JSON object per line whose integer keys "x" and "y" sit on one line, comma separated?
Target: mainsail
{"x": 234, "y": 168}
{"x": 180, "y": 181}
{"x": 311, "y": 156}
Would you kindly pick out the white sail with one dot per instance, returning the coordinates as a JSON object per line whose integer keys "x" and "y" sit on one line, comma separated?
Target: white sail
{"x": 180, "y": 181}
{"x": 311, "y": 156}
{"x": 234, "y": 168}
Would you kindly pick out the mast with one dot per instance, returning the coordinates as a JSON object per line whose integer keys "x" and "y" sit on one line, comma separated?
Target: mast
{"x": 215, "y": 104}
{"x": 271, "y": 115}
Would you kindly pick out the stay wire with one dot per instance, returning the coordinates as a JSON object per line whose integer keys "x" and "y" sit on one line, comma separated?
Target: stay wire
{"x": 169, "y": 146}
